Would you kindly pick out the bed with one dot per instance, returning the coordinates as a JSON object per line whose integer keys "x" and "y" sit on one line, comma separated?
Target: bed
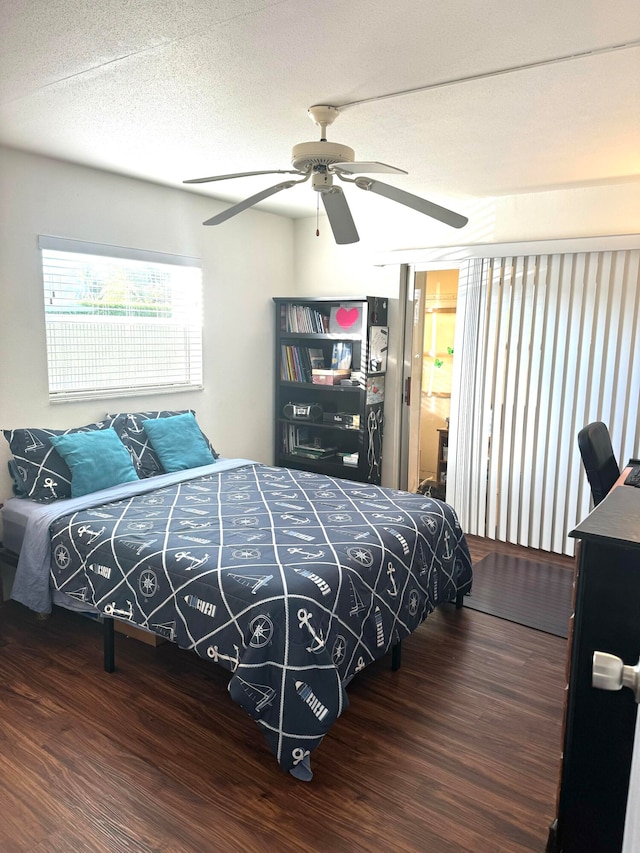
{"x": 293, "y": 581}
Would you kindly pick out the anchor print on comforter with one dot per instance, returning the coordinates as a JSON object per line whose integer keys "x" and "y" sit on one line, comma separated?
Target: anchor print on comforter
{"x": 291, "y": 580}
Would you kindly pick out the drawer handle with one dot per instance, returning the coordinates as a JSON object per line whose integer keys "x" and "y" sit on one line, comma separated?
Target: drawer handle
{"x": 608, "y": 672}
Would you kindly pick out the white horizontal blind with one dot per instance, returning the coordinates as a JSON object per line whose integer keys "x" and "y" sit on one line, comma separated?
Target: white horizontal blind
{"x": 549, "y": 343}
{"x": 120, "y": 322}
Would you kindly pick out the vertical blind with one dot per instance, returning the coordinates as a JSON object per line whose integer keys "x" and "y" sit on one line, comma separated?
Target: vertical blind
{"x": 545, "y": 344}
{"x": 120, "y": 321}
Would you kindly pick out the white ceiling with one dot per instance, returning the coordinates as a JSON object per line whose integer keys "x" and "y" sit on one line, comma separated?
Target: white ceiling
{"x": 171, "y": 89}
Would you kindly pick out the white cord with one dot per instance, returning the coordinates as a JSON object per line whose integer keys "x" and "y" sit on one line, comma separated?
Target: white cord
{"x": 374, "y": 420}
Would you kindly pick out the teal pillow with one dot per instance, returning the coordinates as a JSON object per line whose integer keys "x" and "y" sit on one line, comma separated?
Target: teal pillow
{"x": 178, "y": 442}
{"x": 96, "y": 460}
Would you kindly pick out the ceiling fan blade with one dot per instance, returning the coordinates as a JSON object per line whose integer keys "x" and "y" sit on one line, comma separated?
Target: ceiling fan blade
{"x": 339, "y": 215}
{"x": 359, "y": 168}
{"x": 243, "y": 175}
{"x": 429, "y": 208}
{"x": 249, "y": 202}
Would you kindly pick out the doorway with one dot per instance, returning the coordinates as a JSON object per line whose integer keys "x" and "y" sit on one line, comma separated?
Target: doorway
{"x": 429, "y": 354}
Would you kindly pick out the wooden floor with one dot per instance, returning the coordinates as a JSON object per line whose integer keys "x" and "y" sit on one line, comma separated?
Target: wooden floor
{"x": 457, "y": 751}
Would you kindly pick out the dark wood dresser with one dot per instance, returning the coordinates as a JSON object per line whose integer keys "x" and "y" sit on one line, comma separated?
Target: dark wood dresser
{"x": 599, "y": 725}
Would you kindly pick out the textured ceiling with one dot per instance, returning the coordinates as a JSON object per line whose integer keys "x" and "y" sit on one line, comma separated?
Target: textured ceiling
{"x": 171, "y": 89}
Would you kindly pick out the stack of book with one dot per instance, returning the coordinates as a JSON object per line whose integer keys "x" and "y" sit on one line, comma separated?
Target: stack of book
{"x": 295, "y": 364}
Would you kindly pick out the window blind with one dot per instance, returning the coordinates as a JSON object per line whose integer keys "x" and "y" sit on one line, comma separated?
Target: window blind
{"x": 120, "y": 321}
{"x": 546, "y": 344}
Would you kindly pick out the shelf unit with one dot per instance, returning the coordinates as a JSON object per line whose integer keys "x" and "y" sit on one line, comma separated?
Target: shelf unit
{"x": 346, "y": 421}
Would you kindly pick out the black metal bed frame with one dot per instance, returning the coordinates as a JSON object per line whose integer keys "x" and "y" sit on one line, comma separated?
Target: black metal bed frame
{"x": 108, "y": 634}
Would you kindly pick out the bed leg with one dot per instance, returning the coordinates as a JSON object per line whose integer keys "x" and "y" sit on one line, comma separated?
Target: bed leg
{"x": 396, "y": 655}
{"x": 459, "y": 600}
{"x": 109, "y": 644}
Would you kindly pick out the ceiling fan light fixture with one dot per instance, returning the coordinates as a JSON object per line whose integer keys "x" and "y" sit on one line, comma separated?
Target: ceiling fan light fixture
{"x": 322, "y": 181}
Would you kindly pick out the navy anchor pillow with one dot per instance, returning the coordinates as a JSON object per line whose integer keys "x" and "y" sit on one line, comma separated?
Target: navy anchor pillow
{"x": 37, "y": 469}
{"x": 130, "y": 428}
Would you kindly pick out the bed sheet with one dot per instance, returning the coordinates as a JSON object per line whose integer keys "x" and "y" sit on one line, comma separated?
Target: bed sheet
{"x": 291, "y": 580}
{"x": 16, "y": 513}
{"x": 32, "y": 586}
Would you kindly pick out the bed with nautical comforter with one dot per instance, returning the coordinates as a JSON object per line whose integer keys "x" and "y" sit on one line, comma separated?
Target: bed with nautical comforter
{"x": 293, "y": 581}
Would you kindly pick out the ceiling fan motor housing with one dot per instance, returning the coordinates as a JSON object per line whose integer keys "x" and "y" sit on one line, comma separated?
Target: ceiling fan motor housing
{"x": 308, "y": 155}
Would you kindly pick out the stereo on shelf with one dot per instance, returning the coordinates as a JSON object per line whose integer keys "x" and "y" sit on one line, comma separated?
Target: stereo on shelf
{"x": 302, "y": 412}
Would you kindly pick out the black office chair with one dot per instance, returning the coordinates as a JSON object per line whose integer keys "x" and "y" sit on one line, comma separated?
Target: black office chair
{"x": 599, "y": 459}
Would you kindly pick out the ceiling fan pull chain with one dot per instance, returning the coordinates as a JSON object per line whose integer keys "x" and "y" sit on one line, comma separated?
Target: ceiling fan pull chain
{"x": 318, "y": 215}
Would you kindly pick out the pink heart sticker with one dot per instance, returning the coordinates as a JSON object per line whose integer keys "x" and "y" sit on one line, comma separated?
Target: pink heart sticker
{"x": 347, "y": 318}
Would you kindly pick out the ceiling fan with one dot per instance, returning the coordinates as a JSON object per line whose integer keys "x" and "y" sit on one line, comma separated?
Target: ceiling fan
{"x": 322, "y": 161}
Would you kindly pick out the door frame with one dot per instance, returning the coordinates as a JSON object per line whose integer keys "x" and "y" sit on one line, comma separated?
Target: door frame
{"x": 412, "y": 310}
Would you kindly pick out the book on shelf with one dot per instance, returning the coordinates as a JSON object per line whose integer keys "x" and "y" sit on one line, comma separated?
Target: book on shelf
{"x": 302, "y": 318}
{"x": 316, "y": 356}
{"x": 300, "y": 435}
{"x": 341, "y": 355}
{"x": 295, "y": 364}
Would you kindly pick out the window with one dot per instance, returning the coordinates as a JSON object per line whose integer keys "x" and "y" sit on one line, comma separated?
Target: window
{"x": 120, "y": 321}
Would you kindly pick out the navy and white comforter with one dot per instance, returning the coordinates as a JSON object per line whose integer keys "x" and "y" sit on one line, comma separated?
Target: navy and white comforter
{"x": 293, "y": 581}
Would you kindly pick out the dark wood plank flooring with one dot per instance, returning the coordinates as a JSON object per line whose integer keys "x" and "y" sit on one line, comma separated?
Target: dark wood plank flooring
{"x": 457, "y": 751}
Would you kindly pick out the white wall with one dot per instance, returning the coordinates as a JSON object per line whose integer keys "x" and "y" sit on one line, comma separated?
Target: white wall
{"x": 244, "y": 264}
{"x": 595, "y": 211}
{"x": 599, "y": 210}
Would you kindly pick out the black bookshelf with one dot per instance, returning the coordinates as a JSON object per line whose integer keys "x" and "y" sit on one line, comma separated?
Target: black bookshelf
{"x": 331, "y": 422}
